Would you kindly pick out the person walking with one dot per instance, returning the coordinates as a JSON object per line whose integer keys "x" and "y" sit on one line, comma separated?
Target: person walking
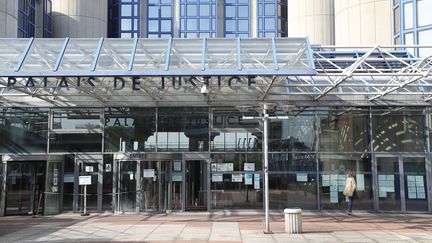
{"x": 349, "y": 191}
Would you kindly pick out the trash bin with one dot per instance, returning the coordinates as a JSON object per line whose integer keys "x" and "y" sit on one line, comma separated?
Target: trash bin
{"x": 293, "y": 221}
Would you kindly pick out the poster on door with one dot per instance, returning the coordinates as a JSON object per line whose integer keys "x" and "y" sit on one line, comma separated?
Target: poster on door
{"x": 257, "y": 180}
{"x": 236, "y": 177}
{"x": 248, "y": 179}
{"x": 148, "y": 173}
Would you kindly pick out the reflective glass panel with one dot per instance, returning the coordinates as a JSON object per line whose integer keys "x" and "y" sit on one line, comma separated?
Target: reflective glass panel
{"x": 43, "y": 55}
{"x": 389, "y": 197}
{"x": 11, "y": 51}
{"x": 115, "y": 55}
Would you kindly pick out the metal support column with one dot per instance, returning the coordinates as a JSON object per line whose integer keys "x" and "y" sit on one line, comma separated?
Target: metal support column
{"x": 138, "y": 186}
{"x": 100, "y": 185}
{"x": 266, "y": 183}
{"x": 3, "y": 188}
{"x": 373, "y": 162}
{"x": 76, "y": 185}
{"x": 428, "y": 159}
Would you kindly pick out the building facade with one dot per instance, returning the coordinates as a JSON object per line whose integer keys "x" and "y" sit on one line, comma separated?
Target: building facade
{"x": 157, "y": 115}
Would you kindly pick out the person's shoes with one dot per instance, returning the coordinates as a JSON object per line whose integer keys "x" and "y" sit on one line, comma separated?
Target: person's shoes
{"x": 349, "y": 213}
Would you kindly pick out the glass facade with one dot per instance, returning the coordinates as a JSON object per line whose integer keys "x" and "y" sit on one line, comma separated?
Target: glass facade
{"x": 26, "y": 18}
{"x": 47, "y": 19}
{"x": 160, "y": 18}
{"x": 198, "y": 18}
{"x": 124, "y": 18}
{"x": 413, "y": 25}
{"x": 237, "y": 18}
{"x": 309, "y": 155}
{"x": 272, "y": 18}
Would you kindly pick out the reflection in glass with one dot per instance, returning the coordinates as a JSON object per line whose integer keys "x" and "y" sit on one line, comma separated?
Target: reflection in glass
{"x": 23, "y": 130}
{"x": 183, "y": 129}
{"x": 130, "y": 129}
{"x": 333, "y": 170}
{"x": 415, "y": 184}
{"x": 389, "y": 197}
{"x": 398, "y": 131}
{"x": 343, "y": 130}
{"x": 229, "y": 193}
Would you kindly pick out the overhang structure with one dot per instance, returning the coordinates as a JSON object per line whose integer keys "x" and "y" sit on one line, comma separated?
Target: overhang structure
{"x": 209, "y": 71}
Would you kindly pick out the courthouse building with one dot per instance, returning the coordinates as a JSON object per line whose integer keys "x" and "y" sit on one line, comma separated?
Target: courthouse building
{"x": 152, "y": 101}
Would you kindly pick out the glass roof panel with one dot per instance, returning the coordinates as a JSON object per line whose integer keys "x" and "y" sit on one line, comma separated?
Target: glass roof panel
{"x": 79, "y": 55}
{"x": 256, "y": 54}
{"x": 186, "y": 54}
{"x": 293, "y": 53}
{"x": 150, "y": 55}
{"x": 115, "y": 54}
{"x": 42, "y": 55}
{"x": 11, "y": 51}
{"x": 221, "y": 54}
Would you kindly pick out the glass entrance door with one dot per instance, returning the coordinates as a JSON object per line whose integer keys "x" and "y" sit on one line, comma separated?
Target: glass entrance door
{"x": 402, "y": 184}
{"x": 89, "y": 169}
{"x": 24, "y": 187}
{"x": 127, "y": 184}
{"x": 196, "y": 185}
{"x": 154, "y": 185}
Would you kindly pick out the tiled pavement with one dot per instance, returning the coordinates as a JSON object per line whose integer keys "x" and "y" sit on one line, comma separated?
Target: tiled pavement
{"x": 221, "y": 226}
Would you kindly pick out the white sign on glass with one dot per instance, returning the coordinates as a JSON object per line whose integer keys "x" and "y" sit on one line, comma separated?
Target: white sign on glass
{"x": 249, "y": 166}
{"x": 301, "y": 177}
{"x": 84, "y": 180}
{"x": 148, "y": 173}
{"x": 217, "y": 177}
{"x": 248, "y": 179}
{"x": 236, "y": 177}
{"x": 257, "y": 181}
{"x": 229, "y": 167}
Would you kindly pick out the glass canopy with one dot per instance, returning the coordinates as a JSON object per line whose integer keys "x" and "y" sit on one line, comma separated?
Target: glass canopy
{"x": 208, "y": 72}
{"x": 155, "y": 57}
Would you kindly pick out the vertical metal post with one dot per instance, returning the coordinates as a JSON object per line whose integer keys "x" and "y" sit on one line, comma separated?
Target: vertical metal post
{"x": 266, "y": 183}
{"x": 85, "y": 200}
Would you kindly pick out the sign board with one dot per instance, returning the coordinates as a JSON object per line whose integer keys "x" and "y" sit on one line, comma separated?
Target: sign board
{"x": 148, "y": 173}
{"x": 89, "y": 168}
{"x": 248, "y": 179}
{"x": 217, "y": 177}
{"x": 230, "y": 167}
{"x": 177, "y": 177}
{"x": 249, "y": 166}
{"x": 84, "y": 180}
{"x": 177, "y": 166}
{"x": 108, "y": 167}
{"x": 236, "y": 177}
{"x": 257, "y": 181}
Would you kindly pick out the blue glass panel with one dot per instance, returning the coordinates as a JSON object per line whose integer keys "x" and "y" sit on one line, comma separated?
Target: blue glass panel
{"x": 153, "y": 12}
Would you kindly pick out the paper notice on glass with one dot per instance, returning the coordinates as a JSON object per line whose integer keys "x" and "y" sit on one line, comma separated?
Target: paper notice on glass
{"x": 147, "y": 173}
{"x": 390, "y": 177}
{"x": 214, "y": 167}
{"x": 342, "y": 178}
{"x": 302, "y": 177}
{"x": 131, "y": 176}
{"x": 382, "y": 177}
{"x": 135, "y": 145}
{"x": 421, "y": 195}
{"x": 229, "y": 167}
{"x": 411, "y": 183}
{"x": 360, "y": 182}
{"x": 333, "y": 188}
{"x": 419, "y": 180}
{"x": 217, "y": 177}
{"x": 177, "y": 176}
{"x": 177, "y": 166}
{"x": 333, "y": 178}
{"x": 236, "y": 177}
{"x": 221, "y": 167}
{"x": 341, "y": 188}
{"x": 248, "y": 179}
{"x": 257, "y": 181}
{"x": 390, "y": 188}
{"x": 382, "y": 188}
{"x": 382, "y": 194}
{"x": 333, "y": 197}
{"x": 420, "y": 189}
{"x": 249, "y": 166}
{"x": 412, "y": 195}
{"x": 411, "y": 189}
{"x": 325, "y": 180}
{"x": 411, "y": 179}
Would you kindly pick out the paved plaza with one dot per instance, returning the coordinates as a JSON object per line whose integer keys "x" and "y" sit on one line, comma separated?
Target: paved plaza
{"x": 221, "y": 226}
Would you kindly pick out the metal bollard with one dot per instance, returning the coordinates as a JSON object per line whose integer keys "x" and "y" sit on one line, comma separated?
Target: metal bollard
{"x": 293, "y": 221}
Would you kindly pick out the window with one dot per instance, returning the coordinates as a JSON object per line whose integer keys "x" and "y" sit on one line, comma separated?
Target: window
{"x": 198, "y": 18}
{"x": 272, "y": 18}
{"x": 47, "y": 19}
{"x": 408, "y": 16}
{"x": 26, "y": 18}
{"x": 124, "y": 18}
{"x": 237, "y": 18}
{"x": 160, "y": 18}
{"x": 423, "y": 12}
